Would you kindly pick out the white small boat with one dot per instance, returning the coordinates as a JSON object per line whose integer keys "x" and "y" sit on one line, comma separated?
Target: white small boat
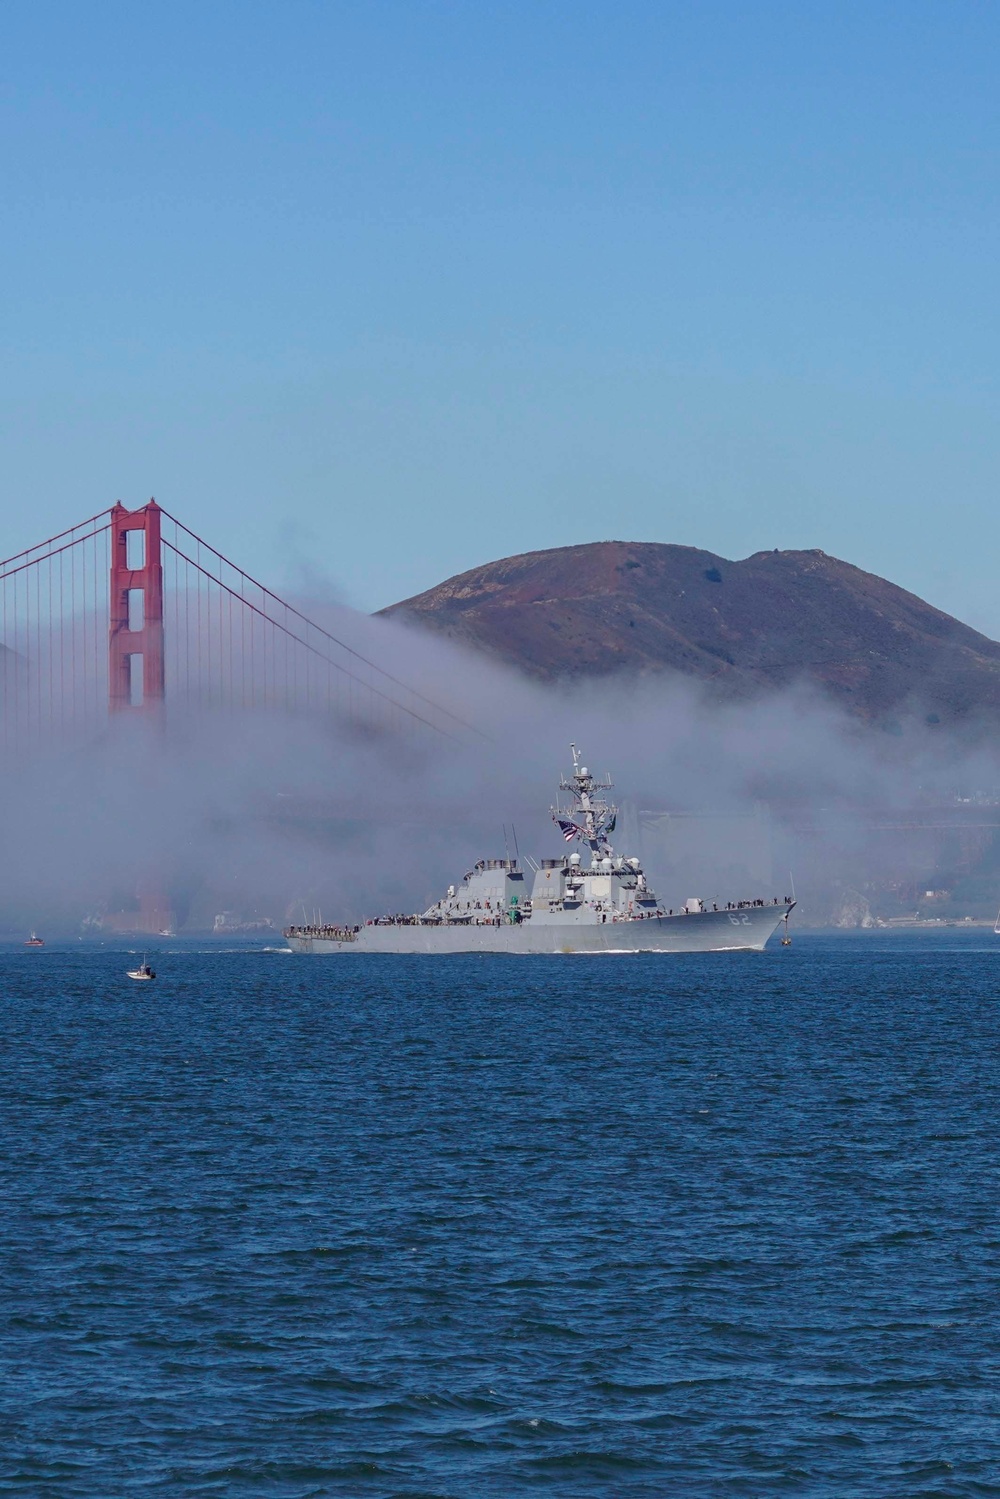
{"x": 996, "y": 926}
{"x": 143, "y": 973}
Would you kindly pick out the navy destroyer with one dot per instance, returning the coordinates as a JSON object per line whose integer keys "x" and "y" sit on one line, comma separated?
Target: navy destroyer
{"x": 596, "y": 901}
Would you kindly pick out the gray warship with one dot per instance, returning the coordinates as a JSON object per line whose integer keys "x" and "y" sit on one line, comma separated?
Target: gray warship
{"x": 598, "y": 902}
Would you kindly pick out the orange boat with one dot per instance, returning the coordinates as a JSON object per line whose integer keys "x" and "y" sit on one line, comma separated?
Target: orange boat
{"x": 34, "y": 941}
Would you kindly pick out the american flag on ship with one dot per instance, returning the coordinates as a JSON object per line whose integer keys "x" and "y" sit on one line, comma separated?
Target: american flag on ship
{"x": 569, "y": 830}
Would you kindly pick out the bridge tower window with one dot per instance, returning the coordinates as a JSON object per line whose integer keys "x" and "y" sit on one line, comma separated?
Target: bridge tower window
{"x": 135, "y": 550}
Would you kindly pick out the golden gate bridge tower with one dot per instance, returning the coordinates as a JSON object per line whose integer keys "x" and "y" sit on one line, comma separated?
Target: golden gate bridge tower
{"x": 136, "y": 667}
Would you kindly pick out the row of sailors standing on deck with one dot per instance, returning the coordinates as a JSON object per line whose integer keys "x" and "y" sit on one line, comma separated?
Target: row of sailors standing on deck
{"x": 732, "y": 905}
{"x": 741, "y": 905}
{"x": 336, "y": 933}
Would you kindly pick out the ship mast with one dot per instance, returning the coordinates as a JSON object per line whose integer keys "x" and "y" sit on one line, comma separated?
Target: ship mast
{"x": 590, "y": 818}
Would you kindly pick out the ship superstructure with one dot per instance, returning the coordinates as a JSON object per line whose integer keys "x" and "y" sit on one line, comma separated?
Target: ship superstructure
{"x": 589, "y": 900}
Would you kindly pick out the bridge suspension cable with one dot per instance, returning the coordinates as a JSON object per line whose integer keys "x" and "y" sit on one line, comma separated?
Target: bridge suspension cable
{"x": 133, "y": 610}
{"x": 45, "y": 547}
{"x": 312, "y": 636}
{"x": 53, "y": 614}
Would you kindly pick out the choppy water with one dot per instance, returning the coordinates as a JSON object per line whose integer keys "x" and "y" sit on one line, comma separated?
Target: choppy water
{"x": 488, "y": 1226}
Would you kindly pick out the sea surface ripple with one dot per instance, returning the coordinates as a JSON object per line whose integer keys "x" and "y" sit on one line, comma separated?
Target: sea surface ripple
{"x": 481, "y": 1226}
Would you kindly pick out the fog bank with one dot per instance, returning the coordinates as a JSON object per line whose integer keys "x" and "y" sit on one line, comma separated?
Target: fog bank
{"x": 280, "y": 814}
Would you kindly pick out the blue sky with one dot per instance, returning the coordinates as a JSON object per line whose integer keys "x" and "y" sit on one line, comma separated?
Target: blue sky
{"x": 376, "y": 292}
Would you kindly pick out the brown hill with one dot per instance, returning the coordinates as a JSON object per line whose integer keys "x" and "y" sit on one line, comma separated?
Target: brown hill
{"x": 770, "y": 620}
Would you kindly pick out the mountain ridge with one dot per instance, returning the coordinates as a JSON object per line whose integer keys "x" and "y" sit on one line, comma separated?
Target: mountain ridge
{"x": 740, "y": 627}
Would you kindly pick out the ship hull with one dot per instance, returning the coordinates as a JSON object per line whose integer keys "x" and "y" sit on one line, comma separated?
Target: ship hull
{"x": 704, "y": 931}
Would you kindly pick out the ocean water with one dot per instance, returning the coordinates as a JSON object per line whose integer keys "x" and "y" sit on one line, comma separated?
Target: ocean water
{"x": 476, "y": 1227}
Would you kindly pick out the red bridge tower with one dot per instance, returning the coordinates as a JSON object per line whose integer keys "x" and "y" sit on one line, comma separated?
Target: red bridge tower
{"x": 135, "y": 641}
{"x": 135, "y": 664}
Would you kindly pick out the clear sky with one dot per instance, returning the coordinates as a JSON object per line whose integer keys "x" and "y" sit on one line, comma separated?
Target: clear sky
{"x": 375, "y": 292}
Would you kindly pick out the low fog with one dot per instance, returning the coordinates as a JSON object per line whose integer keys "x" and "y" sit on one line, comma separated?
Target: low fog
{"x": 284, "y": 815}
